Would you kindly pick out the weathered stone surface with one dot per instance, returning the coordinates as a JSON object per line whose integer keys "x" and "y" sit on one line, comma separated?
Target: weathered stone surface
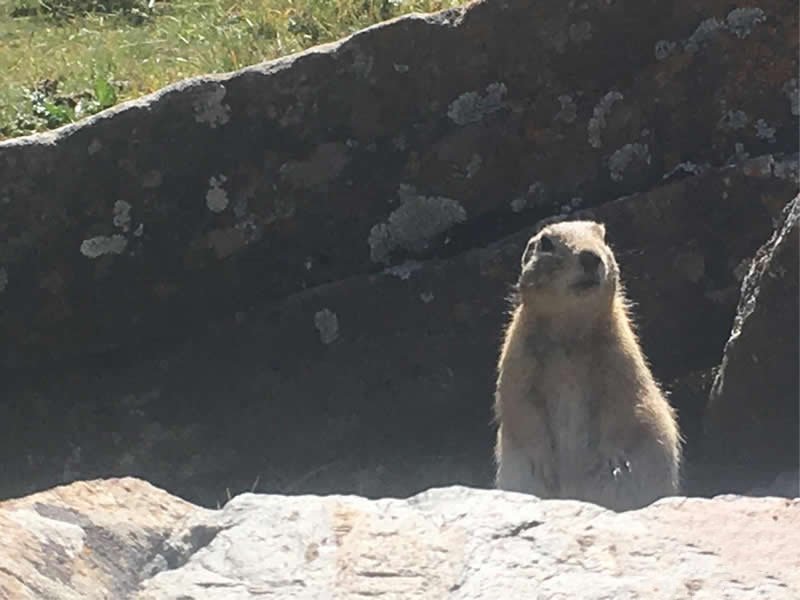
{"x": 224, "y": 191}
{"x": 88, "y": 540}
{"x": 458, "y": 543}
{"x": 380, "y": 384}
{"x": 753, "y": 415}
{"x": 123, "y": 538}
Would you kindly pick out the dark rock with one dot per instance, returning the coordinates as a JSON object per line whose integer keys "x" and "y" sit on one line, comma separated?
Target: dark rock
{"x": 752, "y": 419}
{"x": 222, "y": 192}
{"x": 378, "y": 384}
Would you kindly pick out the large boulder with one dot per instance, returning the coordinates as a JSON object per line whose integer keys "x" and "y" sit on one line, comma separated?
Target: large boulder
{"x": 125, "y": 539}
{"x": 91, "y": 539}
{"x": 220, "y": 192}
{"x": 381, "y": 384}
{"x": 753, "y": 416}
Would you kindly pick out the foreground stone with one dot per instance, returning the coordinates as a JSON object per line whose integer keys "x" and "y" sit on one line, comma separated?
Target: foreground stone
{"x": 108, "y": 539}
{"x": 85, "y": 540}
{"x": 752, "y": 418}
{"x": 460, "y": 543}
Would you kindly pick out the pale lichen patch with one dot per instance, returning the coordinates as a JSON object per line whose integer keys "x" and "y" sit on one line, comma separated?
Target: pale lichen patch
{"x": 216, "y": 196}
{"x": 472, "y": 107}
{"x": 734, "y": 120}
{"x": 122, "y": 215}
{"x": 664, "y": 49}
{"x": 473, "y": 166}
{"x": 426, "y": 297}
{"x": 686, "y": 167}
{"x": 327, "y": 324}
{"x": 518, "y": 204}
{"x": 210, "y": 109}
{"x": 622, "y": 158}
{"x": 704, "y": 32}
{"x": 599, "y": 117}
{"x": 103, "y": 244}
{"x": 414, "y": 223}
{"x": 741, "y": 21}
{"x": 404, "y": 270}
{"x": 787, "y": 168}
{"x": 764, "y": 131}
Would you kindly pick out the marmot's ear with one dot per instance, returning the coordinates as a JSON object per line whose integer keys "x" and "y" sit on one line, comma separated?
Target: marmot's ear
{"x": 601, "y": 230}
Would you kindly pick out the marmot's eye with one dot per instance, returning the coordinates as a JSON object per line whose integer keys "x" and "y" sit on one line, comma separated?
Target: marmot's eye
{"x": 546, "y": 244}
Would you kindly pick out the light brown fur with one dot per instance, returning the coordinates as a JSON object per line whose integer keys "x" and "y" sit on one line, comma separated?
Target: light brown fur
{"x": 580, "y": 415}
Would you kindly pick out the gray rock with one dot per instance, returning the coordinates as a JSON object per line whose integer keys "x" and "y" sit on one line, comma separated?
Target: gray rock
{"x": 88, "y": 540}
{"x": 752, "y": 419}
{"x": 400, "y": 399}
{"x": 229, "y": 183}
{"x": 123, "y": 538}
{"x": 460, "y": 543}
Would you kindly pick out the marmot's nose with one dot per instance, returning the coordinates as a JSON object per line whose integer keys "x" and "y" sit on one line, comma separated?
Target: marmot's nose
{"x": 589, "y": 261}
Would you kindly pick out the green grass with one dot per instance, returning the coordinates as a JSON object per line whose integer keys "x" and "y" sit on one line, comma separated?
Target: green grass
{"x": 62, "y": 60}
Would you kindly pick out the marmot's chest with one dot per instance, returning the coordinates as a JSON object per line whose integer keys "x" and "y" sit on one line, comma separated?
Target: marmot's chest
{"x": 570, "y": 397}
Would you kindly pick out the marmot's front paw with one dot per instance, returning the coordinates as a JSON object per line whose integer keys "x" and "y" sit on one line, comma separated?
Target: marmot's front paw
{"x": 620, "y": 467}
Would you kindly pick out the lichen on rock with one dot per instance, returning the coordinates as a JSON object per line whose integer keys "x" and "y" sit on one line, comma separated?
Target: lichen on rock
{"x": 216, "y": 196}
{"x": 734, "y": 119}
{"x": 764, "y": 131}
{"x": 471, "y": 107}
{"x": 664, "y": 49}
{"x": 327, "y": 324}
{"x": 209, "y": 109}
{"x": 622, "y": 158}
{"x": 404, "y": 270}
{"x": 705, "y": 31}
{"x": 103, "y": 244}
{"x": 414, "y": 223}
{"x": 740, "y": 21}
{"x": 122, "y": 215}
{"x": 599, "y": 115}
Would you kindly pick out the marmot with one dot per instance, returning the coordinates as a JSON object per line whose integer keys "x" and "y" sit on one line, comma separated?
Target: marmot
{"x": 579, "y": 413}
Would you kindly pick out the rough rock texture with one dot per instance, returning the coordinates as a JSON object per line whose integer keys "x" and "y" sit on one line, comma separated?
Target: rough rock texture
{"x": 92, "y": 539}
{"x": 125, "y": 539}
{"x": 458, "y": 543}
{"x": 753, "y": 415}
{"x": 292, "y": 277}
{"x": 381, "y": 384}
{"x": 220, "y": 192}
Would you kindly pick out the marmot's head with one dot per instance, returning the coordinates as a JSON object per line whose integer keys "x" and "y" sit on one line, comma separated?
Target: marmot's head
{"x": 568, "y": 265}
